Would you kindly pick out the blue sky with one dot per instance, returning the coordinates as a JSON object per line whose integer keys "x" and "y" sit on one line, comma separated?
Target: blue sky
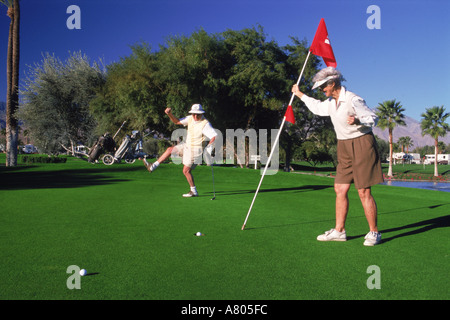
{"x": 408, "y": 59}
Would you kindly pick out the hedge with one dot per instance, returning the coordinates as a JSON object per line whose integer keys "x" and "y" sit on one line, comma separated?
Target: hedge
{"x": 43, "y": 159}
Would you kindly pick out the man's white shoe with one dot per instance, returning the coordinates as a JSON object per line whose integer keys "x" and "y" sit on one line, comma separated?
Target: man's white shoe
{"x": 372, "y": 238}
{"x": 190, "y": 194}
{"x": 148, "y": 165}
{"x": 332, "y": 235}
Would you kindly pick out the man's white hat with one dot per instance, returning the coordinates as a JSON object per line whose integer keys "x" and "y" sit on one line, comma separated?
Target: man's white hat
{"x": 197, "y": 108}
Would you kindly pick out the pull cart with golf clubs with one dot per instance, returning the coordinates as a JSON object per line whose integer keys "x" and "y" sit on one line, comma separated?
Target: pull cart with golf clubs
{"x": 130, "y": 149}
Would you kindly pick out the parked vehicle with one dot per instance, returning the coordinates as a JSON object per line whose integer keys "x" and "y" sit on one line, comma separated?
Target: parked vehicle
{"x": 401, "y": 157}
{"x": 29, "y": 148}
{"x": 415, "y": 158}
{"x": 442, "y": 159}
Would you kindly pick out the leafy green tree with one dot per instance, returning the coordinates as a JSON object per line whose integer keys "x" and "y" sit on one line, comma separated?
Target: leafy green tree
{"x": 424, "y": 150}
{"x": 130, "y": 94}
{"x": 383, "y": 148}
{"x": 56, "y": 97}
{"x": 306, "y": 123}
{"x": 434, "y": 124}
{"x": 390, "y": 115}
{"x": 242, "y": 80}
{"x": 138, "y": 88}
{"x": 194, "y": 70}
{"x": 257, "y": 78}
{"x": 320, "y": 147}
{"x": 447, "y": 149}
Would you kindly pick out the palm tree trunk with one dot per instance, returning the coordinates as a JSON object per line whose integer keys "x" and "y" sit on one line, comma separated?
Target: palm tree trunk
{"x": 436, "y": 158}
{"x": 12, "y": 99}
{"x": 390, "y": 154}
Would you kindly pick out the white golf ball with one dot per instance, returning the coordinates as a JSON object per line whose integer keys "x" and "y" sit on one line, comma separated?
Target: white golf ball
{"x": 198, "y": 234}
{"x": 83, "y": 272}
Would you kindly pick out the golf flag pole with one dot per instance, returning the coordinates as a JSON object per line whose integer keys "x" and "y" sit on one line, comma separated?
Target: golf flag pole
{"x": 300, "y": 77}
{"x": 264, "y": 173}
{"x": 289, "y": 115}
{"x": 320, "y": 46}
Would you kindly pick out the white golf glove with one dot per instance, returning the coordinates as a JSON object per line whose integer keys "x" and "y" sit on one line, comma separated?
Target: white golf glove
{"x": 207, "y": 155}
{"x": 209, "y": 149}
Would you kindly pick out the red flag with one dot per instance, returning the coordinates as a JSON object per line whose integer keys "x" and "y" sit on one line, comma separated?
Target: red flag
{"x": 289, "y": 115}
{"x": 321, "y": 45}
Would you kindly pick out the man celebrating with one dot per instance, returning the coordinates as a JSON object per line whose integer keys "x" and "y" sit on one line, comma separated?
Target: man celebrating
{"x": 358, "y": 159}
{"x": 190, "y": 150}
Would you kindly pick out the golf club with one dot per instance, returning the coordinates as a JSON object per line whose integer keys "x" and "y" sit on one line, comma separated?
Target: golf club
{"x": 214, "y": 189}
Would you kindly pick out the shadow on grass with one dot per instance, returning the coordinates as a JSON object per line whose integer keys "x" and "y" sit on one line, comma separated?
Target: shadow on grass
{"x": 18, "y": 179}
{"x": 301, "y": 188}
{"x": 310, "y": 168}
{"x": 426, "y": 225}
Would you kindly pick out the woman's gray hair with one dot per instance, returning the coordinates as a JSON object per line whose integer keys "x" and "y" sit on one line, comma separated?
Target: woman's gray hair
{"x": 330, "y": 74}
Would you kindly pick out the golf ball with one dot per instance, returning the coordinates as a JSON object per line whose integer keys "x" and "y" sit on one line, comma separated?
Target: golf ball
{"x": 83, "y": 272}
{"x": 198, "y": 234}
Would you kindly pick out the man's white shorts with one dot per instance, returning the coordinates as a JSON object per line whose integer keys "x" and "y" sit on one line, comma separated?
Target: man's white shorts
{"x": 192, "y": 156}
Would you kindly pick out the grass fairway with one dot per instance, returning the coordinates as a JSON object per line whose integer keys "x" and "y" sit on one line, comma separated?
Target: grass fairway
{"x": 134, "y": 234}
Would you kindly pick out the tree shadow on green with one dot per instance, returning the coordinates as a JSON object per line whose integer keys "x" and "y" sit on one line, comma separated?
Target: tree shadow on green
{"x": 300, "y": 188}
{"x": 21, "y": 180}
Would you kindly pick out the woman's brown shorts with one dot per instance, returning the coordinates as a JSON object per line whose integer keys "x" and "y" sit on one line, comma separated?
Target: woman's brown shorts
{"x": 358, "y": 162}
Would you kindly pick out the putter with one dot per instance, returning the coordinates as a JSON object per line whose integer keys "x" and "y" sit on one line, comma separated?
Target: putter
{"x": 214, "y": 189}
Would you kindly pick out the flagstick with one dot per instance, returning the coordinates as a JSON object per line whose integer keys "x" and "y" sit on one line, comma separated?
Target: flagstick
{"x": 273, "y": 146}
{"x": 300, "y": 77}
{"x": 264, "y": 173}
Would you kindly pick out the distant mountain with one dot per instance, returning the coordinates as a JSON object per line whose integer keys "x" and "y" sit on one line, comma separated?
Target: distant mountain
{"x": 412, "y": 129}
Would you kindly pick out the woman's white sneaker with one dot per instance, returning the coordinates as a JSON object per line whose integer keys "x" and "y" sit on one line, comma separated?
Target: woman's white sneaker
{"x": 332, "y": 235}
{"x": 372, "y": 238}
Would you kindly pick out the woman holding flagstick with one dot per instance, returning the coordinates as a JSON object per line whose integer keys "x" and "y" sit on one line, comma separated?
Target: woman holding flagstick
{"x": 358, "y": 159}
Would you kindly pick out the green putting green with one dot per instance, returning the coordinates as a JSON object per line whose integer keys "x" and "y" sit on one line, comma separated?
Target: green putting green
{"x": 134, "y": 234}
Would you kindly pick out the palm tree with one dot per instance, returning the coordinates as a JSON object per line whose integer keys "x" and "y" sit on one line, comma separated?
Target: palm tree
{"x": 405, "y": 142}
{"x": 12, "y": 73}
{"x": 401, "y": 141}
{"x": 390, "y": 114}
{"x": 408, "y": 142}
{"x": 441, "y": 147}
{"x": 433, "y": 124}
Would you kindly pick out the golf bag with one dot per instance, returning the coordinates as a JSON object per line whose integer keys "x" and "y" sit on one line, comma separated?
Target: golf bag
{"x": 125, "y": 151}
{"x": 123, "y": 148}
{"x": 104, "y": 143}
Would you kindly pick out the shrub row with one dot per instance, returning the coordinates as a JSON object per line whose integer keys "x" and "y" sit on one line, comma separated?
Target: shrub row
{"x": 43, "y": 159}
